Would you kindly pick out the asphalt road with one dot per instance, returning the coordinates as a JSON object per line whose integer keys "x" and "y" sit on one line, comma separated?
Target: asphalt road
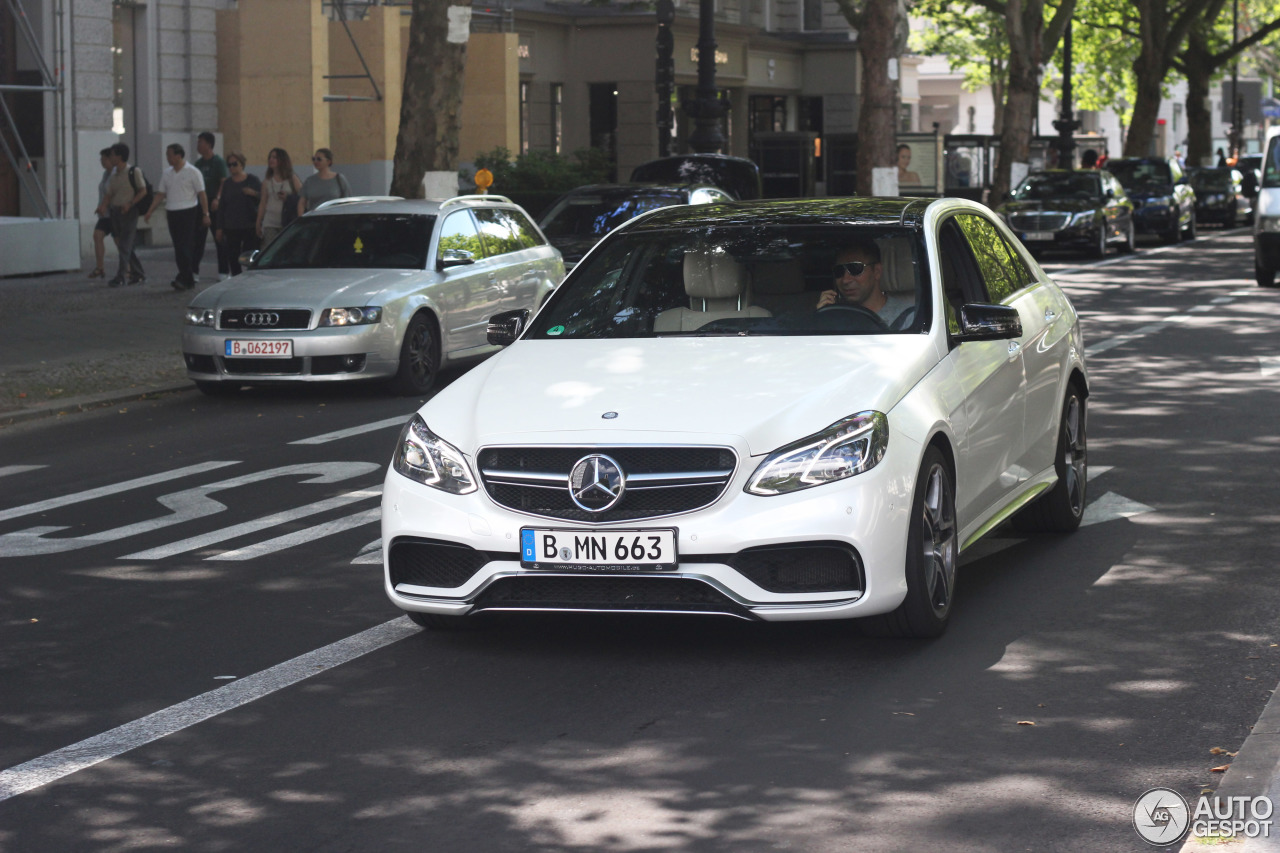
{"x": 130, "y": 589}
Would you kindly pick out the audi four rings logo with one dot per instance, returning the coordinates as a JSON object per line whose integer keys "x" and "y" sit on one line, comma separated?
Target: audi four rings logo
{"x": 596, "y": 483}
{"x": 261, "y": 318}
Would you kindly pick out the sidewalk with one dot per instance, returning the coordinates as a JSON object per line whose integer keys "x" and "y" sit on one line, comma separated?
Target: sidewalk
{"x": 68, "y": 341}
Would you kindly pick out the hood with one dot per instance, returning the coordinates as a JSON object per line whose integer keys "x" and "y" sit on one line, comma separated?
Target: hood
{"x": 573, "y": 248}
{"x": 319, "y": 288}
{"x": 766, "y": 391}
{"x": 1052, "y": 205}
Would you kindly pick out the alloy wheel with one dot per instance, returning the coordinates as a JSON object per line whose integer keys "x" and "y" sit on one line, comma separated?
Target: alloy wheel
{"x": 1075, "y": 455}
{"x": 938, "y": 517}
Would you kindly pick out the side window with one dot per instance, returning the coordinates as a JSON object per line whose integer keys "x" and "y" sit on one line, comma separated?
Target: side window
{"x": 458, "y": 234}
{"x": 1001, "y": 269}
{"x": 960, "y": 280}
{"x": 496, "y": 231}
{"x": 523, "y": 228}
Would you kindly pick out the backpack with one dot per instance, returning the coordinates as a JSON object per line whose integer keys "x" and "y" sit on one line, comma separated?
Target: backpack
{"x": 150, "y": 197}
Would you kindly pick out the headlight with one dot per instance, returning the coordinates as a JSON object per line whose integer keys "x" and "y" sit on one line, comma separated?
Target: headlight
{"x": 425, "y": 457}
{"x": 1084, "y": 217}
{"x": 199, "y": 316}
{"x": 845, "y": 448}
{"x": 350, "y": 316}
{"x": 1270, "y": 224}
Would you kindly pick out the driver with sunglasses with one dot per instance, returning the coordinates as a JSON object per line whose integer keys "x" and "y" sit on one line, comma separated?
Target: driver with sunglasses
{"x": 857, "y": 283}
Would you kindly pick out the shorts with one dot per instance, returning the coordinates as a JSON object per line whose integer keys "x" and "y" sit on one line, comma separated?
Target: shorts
{"x": 104, "y": 225}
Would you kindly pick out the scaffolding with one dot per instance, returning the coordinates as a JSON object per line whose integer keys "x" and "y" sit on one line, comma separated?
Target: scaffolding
{"x": 51, "y": 82}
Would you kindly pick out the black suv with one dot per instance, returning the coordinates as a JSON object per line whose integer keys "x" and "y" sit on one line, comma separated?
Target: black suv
{"x": 1164, "y": 203}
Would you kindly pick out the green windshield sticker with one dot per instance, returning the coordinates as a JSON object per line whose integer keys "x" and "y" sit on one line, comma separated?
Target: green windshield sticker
{"x": 359, "y": 246}
{"x": 555, "y": 330}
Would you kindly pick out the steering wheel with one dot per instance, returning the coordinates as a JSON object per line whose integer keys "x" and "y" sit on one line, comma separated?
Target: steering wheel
{"x": 857, "y": 311}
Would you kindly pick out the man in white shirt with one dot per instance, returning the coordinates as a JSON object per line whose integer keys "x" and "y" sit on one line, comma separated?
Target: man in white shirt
{"x": 186, "y": 206}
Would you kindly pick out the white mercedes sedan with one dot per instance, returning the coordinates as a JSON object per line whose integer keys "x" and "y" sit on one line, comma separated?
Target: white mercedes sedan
{"x": 783, "y": 410}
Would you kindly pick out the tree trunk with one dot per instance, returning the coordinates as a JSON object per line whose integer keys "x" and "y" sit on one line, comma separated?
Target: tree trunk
{"x": 1146, "y": 107}
{"x": 878, "y": 113}
{"x": 1025, "y": 25}
{"x": 997, "y": 98}
{"x": 1196, "y": 61}
{"x": 430, "y": 107}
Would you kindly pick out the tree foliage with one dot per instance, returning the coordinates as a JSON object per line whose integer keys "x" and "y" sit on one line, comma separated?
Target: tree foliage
{"x": 974, "y": 41}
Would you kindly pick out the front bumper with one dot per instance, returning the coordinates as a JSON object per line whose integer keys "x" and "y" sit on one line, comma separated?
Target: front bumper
{"x": 1156, "y": 220}
{"x": 867, "y": 514}
{"x": 331, "y": 354}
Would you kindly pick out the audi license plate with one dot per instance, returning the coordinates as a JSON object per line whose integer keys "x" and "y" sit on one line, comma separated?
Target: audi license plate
{"x": 598, "y": 551}
{"x": 259, "y": 349}
{"x": 1039, "y": 236}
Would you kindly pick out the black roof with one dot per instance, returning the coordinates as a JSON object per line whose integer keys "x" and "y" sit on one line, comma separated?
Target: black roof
{"x": 882, "y": 212}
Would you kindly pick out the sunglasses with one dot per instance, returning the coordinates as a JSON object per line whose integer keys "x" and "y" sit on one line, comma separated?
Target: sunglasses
{"x": 853, "y": 268}
{"x": 316, "y": 159}
{"x": 233, "y": 163}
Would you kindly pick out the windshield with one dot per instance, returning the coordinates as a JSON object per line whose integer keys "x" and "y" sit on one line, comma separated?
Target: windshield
{"x": 1217, "y": 181}
{"x": 1135, "y": 174}
{"x": 351, "y": 241}
{"x": 1042, "y": 187}
{"x": 594, "y": 215}
{"x": 1271, "y": 164}
{"x": 735, "y": 280}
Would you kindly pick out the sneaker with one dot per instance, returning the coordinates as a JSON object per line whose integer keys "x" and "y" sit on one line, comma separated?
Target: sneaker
{"x": 137, "y": 279}
{"x": 115, "y": 282}
{"x": 176, "y": 285}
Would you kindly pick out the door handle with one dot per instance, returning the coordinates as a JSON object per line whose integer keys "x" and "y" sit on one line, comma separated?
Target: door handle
{"x": 1014, "y": 348}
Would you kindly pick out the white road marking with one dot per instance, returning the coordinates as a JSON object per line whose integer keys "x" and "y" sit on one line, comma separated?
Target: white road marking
{"x": 56, "y": 765}
{"x": 369, "y": 554}
{"x": 1097, "y": 471}
{"x": 187, "y": 505}
{"x": 1141, "y": 332}
{"x": 1110, "y": 507}
{"x": 1269, "y": 364}
{"x": 215, "y": 536}
{"x": 6, "y": 470}
{"x": 300, "y": 537}
{"x": 1222, "y": 300}
{"x": 400, "y": 420}
{"x": 117, "y": 488}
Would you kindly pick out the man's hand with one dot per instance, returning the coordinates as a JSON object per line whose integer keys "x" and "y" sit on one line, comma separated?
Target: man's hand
{"x": 828, "y": 297}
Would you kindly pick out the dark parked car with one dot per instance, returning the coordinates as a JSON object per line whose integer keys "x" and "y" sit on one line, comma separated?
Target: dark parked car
{"x": 736, "y": 176}
{"x": 1221, "y": 197}
{"x": 1086, "y": 210}
{"x": 578, "y": 219}
{"x": 1250, "y": 166}
{"x": 1163, "y": 202}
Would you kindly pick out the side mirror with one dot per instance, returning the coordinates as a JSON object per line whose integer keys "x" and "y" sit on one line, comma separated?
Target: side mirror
{"x": 981, "y": 322}
{"x": 247, "y": 258}
{"x": 504, "y": 328}
{"x": 1110, "y": 193}
{"x": 456, "y": 258}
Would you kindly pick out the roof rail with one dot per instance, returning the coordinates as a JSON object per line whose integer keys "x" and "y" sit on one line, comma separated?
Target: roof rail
{"x": 358, "y": 199}
{"x": 486, "y": 197}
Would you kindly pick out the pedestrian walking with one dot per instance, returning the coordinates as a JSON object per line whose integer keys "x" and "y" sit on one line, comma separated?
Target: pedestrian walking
{"x": 102, "y": 229}
{"x": 324, "y": 185}
{"x": 186, "y": 206}
{"x": 237, "y": 205}
{"x": 214, "y": 170}
{"x": 126, "y": 189}
{"x": 279, "y": 184}
{"x": 1222, "y": 159}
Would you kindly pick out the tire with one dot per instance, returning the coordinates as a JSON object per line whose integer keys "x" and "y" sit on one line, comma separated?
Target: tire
{"x": 439, "y": 622}
{"x": 1128, "y": 245}
{"x": 217, "y": 389}
{"x": 1061, "y": 508}
{"x": 419, "y": 358}
{"x": 933, "y": 545}
{"x": 1265, "y": 278}
{"x": 1099, "y": 250}
{"x": 1191, "y": 228}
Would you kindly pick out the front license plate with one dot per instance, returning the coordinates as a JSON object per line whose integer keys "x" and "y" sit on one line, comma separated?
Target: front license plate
{"x": 598, "y": 551}
{"x": 259, "y": 349}
{"x": 1039, "y": 236}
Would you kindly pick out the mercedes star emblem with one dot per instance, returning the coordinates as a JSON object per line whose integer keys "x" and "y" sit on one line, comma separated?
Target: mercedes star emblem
{"x": 596, "y": 483}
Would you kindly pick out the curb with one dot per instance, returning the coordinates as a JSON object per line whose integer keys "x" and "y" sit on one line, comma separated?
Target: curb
{"x": 88, "y": 402}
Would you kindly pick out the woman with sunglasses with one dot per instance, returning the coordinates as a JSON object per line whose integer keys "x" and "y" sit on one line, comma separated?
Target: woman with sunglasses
{"x": 237, "y": 205}
{"x": 324, "y": 185}
{"x": 279, "y": 184}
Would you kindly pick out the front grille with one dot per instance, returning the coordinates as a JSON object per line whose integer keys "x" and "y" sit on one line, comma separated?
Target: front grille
{"x": 288, "y": 318}
{"x": 263, "y": 366}
{"x": 660, "y": 480}
{"x": 1038, "y": 221}
{"x": 809, "y": 567}
{"x": 605, "y": 593}
{"x": 426, "y": 562}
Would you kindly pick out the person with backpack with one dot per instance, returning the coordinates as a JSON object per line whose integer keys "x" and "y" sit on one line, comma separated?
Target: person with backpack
{"x": 126, "y": 197}
{"x": 186, "y": 208}
{"x": 279, "y": 203}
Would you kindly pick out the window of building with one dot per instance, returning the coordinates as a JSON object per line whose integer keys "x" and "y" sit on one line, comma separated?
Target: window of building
{"x": 557, "y": 117}
{"x": 767, "y": 113}
{"x": 603, "y": 121}
{"x": 813, "y": 14}
{"x": 524, "y": 117}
